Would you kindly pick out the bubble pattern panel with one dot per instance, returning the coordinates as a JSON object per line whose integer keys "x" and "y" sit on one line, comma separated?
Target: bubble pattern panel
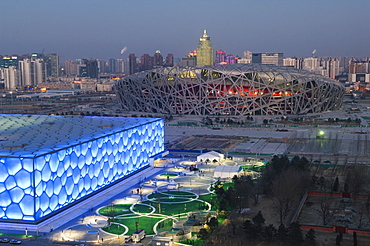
{"x": 31, "y": 188}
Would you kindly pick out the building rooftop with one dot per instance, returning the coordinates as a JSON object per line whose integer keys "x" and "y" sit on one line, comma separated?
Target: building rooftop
{"x": 34, "y": 135}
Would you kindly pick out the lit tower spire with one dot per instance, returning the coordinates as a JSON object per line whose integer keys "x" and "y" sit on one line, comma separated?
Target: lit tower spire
{"x": 205, "y": 52}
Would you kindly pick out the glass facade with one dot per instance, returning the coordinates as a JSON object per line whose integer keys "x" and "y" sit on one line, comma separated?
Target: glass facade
{"x": 205, "y": 52}
{"x": 34, "y": 187}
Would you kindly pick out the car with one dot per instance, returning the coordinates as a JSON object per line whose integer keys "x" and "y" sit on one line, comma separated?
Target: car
{"x": 4, "y": 240}
{"x": 327, "y": 162}
{"x": 15, "y": 241}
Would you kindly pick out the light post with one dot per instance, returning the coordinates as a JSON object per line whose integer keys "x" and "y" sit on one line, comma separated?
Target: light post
{"x": 11, "y": 96}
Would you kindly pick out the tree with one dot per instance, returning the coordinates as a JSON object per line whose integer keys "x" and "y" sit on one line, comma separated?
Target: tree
{"x": 336, "y": 185}
{"x": 269, "y": 233}
{"x": 295, "y": 234}
{"x": 212, "y": 223}
{"x": 282, "y": 233}
{"x": 203, "y": 233}
{"x": 338, "y": 239}
{"x": 249, "y": 229}
{"x": 286, "y": 189}
{"x": 310, "y": 238}
{"x": 242, "y": 192}
{"x": 265, "y": 121}
{"x": 231, "y": 197}
{"x": 357, "y": 178}
{"x": 354, "y": 239}
{"x": 321, "y": 182}
{"x": 258, "y": 220}
{"x": 325, "y": 210}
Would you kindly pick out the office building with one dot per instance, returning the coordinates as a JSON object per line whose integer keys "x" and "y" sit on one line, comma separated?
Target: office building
{"x": 32, "y": 71}
{"x": 169, "y": 60}
{"x": 132, "y": 64}
{"x": 268, "y": 58}
{"x": 92, "y": 68}
{"x": 52, "y": 65}
{"x": 220, "y": 57}
{"x": 157, "y": 59}
{"x": 205, "y": 52}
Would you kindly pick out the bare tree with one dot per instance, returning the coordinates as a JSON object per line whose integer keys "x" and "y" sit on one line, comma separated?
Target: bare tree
{"x": 359, "y": 219}
{"x": 357, "y": 178}
{"x": 325, "y": 210}
{"x": 287, "y": 189}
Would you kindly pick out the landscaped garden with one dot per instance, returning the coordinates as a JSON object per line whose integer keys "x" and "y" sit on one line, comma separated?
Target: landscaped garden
{"x": 156, "y": 213}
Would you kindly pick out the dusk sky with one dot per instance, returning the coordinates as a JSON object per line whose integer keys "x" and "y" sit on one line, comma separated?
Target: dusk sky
{"x": 101, "y": 28}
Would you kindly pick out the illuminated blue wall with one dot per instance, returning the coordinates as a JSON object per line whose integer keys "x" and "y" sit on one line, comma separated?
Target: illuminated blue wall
{"x": 31, "y": 188}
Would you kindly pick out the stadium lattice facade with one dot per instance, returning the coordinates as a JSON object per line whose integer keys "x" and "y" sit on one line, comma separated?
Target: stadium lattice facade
{"x": 237, "y": 89}
{"x": 50, "y": 162}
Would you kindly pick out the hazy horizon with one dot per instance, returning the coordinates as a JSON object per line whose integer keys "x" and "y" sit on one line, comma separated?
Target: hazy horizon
{"x": 100, "y": 29}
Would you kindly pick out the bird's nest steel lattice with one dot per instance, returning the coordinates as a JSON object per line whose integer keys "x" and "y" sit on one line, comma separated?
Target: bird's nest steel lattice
{"x": 237, "y": 89}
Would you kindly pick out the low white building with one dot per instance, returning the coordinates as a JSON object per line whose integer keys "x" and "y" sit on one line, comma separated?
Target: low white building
{"x": 211, "y": 156}
{"x": 226, "y": 172}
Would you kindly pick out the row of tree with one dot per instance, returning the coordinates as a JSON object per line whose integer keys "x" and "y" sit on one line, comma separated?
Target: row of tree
{"x": 228, "y": 121}
{"x": 256, "y": 229}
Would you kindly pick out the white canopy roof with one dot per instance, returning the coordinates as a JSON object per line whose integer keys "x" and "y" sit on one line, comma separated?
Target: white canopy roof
{"x": 226, "y": 171}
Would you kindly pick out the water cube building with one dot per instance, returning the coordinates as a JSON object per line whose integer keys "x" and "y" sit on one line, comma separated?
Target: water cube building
{"x": 48, "y": 163}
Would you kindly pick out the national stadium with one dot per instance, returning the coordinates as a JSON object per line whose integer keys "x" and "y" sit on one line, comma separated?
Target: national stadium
{"x": 49, "y": 163}
{"x": 235, "y": 89}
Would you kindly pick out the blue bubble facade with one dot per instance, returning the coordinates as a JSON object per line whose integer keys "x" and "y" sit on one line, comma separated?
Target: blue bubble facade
{"x": 36, "y": 184}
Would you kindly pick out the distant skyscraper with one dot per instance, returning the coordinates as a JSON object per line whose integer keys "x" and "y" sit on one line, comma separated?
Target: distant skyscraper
{"x": 112, "y": 65}
{"x": 190, "y": 60}
{"x": 132, "y": 63}
{"x": 103, "y": 66}
{"x": 157, "y": 59}
{"x": 169, "y": 60}
{"x": 52, "y": 65}
{"x": 8, "y": 61}
{"x": 268, "y": 58}
{"x": 9, "y": 77}
{"x": 92, "y": 68}
{"x": 290, "y": 62}
{"x": 32, "y": 71}
{"x": 310, "y": 64}
{"x": 146, "y": 62}
{"x": 230, "y": 59}
{"x": 205, "y": 52}
{"x": 247, "y": 57}
{"x": 220, "y": 56}
{"x": 70, "y": 68}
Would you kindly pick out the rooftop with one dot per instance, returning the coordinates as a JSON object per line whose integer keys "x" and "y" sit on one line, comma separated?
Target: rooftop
{"x": 34, "y": 135}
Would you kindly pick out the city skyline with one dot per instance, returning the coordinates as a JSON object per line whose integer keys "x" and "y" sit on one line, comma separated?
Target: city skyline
{"x": 101, "y": 30}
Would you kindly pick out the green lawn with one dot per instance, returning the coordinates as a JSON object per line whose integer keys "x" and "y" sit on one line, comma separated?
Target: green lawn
{"x": 115, "y": 210}
{"x": 254, "y": 168}
{"x": 17, "y": 235}
{"x": 139, "y": 208}
{"x": 172, "y": 199}
{"x": 169, "y": 175}
{"x": 171, "y": 203}
{"x": 115, "y": 229}
{"x": 146, "y": 223}
{"x": 165, "y": 194}
{"x": 176, "y": 208}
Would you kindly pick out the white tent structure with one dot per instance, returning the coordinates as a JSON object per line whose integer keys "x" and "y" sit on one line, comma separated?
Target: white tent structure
{"x": 226, "y": 172}
{"x": 212, "y": 155}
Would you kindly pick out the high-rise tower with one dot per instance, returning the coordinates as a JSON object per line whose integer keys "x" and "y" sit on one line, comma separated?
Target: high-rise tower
{"x": 205, "y": 52}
